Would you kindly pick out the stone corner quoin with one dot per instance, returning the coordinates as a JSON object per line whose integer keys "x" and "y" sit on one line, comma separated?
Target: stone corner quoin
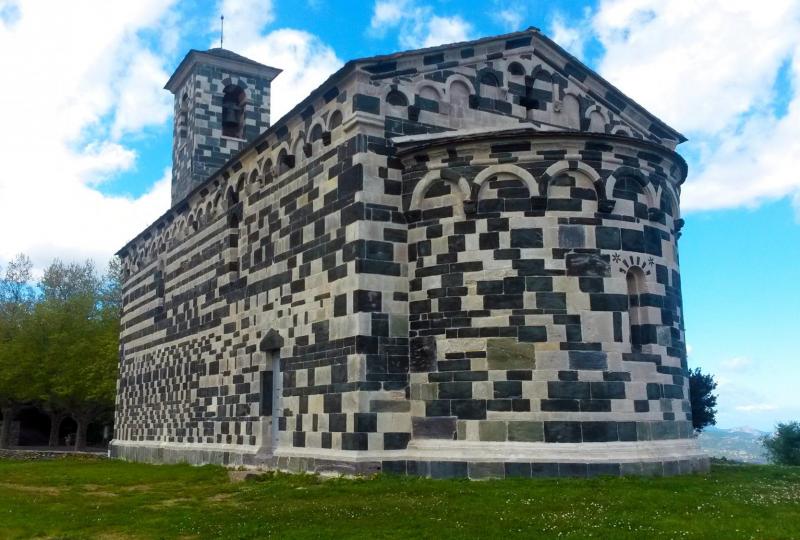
{"x": 453, "y": 262}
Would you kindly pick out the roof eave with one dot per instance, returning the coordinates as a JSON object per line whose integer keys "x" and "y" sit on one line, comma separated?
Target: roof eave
{"x": 340, "y": 74}
{"x": 181, "y": 72}
{"x": 407, "y": 145}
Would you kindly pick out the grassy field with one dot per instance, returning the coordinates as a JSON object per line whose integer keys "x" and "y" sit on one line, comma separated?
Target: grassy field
{"x": 93, "y": 498}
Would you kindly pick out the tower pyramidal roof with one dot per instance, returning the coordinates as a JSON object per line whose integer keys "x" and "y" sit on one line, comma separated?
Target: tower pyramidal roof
{"x": 230, "y": 55}
{"x": 221, "y": 56}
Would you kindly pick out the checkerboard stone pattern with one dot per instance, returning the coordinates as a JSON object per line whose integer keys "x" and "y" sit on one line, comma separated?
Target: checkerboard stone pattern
{"x": 460, "y": 261}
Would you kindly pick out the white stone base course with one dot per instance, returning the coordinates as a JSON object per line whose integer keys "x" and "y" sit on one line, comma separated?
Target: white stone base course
{"x": 441, "y": 459}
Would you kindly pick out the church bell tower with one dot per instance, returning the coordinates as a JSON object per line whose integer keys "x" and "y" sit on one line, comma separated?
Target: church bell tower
{"x": 222, "y": 102}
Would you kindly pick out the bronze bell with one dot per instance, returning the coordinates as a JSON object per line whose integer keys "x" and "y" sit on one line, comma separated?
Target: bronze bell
{"x": 230, "y": 115}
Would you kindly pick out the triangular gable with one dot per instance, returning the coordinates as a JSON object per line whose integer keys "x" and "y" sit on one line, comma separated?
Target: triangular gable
{"x": 548, "y": 64}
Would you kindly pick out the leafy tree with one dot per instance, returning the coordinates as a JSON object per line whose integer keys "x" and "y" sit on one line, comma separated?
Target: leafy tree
{"x": 703, "y": 401}
{"x": 16, "y": 297}
{"x": 61, "y": 281}
{"x": 77, "y": 366}
{"x": 111, "y": 287}
{"x": 58, "y": 349}
{"x": 783, "y": 446}
{"x": 14, "y": 285}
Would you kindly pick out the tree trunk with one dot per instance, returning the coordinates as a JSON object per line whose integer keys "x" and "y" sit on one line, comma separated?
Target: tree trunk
{"x": 80, "y": 435}
{"x": 55, "y": 426}
{"x": 5, "y": 432}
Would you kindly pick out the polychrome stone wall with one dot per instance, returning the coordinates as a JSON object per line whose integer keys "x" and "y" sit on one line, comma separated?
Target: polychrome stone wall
{"x": 520, "y": 312}
{"x": 432, "y": 250}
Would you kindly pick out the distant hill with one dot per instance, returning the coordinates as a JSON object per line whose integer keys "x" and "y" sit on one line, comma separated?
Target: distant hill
{"x": 739, "y": 444}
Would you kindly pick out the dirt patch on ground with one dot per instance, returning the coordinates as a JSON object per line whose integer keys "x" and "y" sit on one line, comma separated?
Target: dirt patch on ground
{"x": 44, "y": 490}
{"x": 99, "y": 491}
{"x": 137, "y": 488}
{"x": 169, "y": 503}
{"x": 220, "y": 497}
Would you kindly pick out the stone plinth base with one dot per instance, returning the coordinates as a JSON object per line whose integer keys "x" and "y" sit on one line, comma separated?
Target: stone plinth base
{"x": 445, "y": 459}
{"x": 229, "y": 455}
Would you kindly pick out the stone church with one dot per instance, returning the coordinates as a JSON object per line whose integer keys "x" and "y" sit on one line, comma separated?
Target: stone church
{"x": 458, "y": 261}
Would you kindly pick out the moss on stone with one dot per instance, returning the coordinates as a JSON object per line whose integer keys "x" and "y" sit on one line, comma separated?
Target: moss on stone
{"x": 508, "y": 353}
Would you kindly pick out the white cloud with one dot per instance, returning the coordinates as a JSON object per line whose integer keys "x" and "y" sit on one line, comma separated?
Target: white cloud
{"x": 709, "y": 69}
{"x": 441, "y": 30}
{"x": 510, "y": 14}
{"x": 571, "y": 35}
{"x": 736, "y": 363}
{"x": 418, "y": 26}
{"x": 387, "y": 14}
{"x": 142, "y": 101}
{"x": 748, "y": 165}
{"x": 511, "y": 19}
{"x": 67, "y": 65}
{"x": 81, "y": 90}
{"x": 694, "y": 63}
{"x": 757, "y": 407}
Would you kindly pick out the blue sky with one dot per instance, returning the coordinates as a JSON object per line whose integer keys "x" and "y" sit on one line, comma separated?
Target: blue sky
{"x": 87, "y": 138}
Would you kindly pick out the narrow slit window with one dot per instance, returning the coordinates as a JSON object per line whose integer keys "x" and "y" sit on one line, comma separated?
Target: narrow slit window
{"x": 635, "y": 282}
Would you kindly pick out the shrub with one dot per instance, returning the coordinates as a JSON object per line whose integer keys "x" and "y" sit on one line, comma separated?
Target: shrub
{"x": 702, "y": 400}
{"x": 783, "y": 446}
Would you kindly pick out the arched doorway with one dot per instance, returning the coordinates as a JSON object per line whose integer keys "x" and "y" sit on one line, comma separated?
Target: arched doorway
{"x": 271, "y": 389}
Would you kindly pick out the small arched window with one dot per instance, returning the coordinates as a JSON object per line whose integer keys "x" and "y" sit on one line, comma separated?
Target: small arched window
{"x": 231, "y": 198}
{"x": 183, "y": 119}
{"x": 490, "y": 85}
{"x": 635, "y": 282}
{"x": 335, "y": 121}
{"x": 665, "y": 204}
{"x": 285, "y": 161}
{"x": 269, "y": 172}
{"x": 516, "y": 69}
{"x": 397, "y": 98}
{"x": 316, "y": 133}
{"x": 233, "y": 111}
{"x": 159, "y": 281}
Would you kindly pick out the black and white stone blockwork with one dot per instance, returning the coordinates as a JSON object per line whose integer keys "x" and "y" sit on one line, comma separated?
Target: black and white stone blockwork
{"x": 460, "y": 261}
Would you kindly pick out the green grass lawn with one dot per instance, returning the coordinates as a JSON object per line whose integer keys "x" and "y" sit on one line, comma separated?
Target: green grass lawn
{"x": 94, "y": 498}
